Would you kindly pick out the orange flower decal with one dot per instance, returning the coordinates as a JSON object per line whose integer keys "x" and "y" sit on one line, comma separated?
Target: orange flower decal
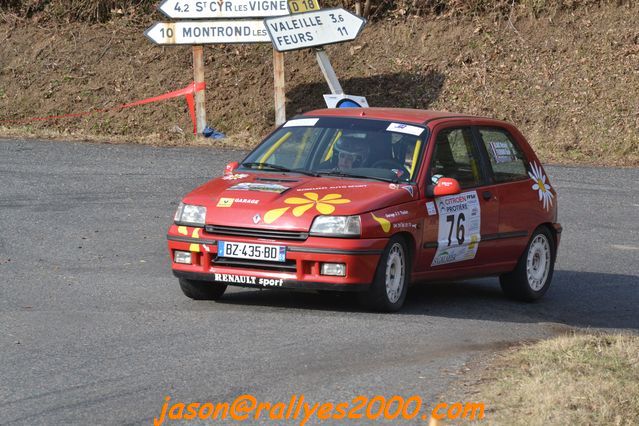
{"x": 324, "y": 205}
{"x": 195, "y": 234}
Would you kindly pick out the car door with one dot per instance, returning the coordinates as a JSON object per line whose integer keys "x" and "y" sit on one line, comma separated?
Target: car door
{"x": 454, "y": 225}
{"x": 508, "y": 170}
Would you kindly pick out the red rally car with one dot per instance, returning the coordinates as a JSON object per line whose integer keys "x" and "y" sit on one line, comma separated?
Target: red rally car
{"x": 370, "y": 200}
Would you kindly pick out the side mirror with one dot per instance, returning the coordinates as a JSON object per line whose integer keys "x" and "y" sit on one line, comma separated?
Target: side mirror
{"x": 231, "y": 167}
{"x": 444, "y": 186}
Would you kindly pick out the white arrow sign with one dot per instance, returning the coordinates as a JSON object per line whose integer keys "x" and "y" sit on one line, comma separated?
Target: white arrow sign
{"x": 208, "y": 32}
{"x": 310, "y": 29}
{"x": 192, "y": 9}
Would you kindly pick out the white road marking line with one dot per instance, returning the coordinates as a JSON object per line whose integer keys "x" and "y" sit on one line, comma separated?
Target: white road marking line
{"x": 623, "y": 247}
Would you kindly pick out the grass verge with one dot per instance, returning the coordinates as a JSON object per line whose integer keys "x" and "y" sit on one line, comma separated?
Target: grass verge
{"x": 242, "y": 141}
{"x": 580, "y": 379}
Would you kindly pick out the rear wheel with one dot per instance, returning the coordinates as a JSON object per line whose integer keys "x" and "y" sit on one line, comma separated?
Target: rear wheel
{"x": 202, "y": 290}
{"x": 388, "y": 291}
{"x": 531, "y": 278}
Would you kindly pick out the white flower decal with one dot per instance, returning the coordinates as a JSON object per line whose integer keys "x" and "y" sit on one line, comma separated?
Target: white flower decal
{"x": 537, "y": 175}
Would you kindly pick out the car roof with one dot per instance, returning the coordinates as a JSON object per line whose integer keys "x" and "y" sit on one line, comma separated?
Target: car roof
{"x": 406, "y": 115}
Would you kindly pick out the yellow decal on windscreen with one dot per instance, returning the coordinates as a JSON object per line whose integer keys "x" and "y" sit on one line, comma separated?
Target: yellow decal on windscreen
{"x": 276, "y": 145}
{"x": 418, "y": 145}
{"x": 329, "y": 153}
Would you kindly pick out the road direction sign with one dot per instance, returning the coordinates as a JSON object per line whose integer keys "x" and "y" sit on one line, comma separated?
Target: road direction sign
{"x": 208, "y": 32}
{"x": 193, "y": 9}
{"x": 302, "y": 30}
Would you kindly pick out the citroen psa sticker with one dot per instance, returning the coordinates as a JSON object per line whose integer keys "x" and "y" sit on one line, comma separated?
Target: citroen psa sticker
{"x": 459, "y": 228}
{"x": 301, "y": 122}
{"x": 405, "y": 128}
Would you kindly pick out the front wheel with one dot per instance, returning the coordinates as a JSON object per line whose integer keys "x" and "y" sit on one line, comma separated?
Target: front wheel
{"x": 388, "y": 291}
{"x": 531, "y": 277}
{"x": 202, "y": 290}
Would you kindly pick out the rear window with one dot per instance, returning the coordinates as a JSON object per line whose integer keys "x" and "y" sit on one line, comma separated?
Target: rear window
{"x": 506, "y": 158}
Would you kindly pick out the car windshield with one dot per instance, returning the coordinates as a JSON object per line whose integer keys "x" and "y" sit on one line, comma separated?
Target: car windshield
{"x": 343, "y": 147}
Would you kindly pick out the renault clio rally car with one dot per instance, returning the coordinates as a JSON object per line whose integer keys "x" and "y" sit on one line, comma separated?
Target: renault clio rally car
{"x": 370, "y": 200}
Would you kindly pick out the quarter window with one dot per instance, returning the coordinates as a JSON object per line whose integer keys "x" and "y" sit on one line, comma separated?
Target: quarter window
{"x": 506, "y": 158}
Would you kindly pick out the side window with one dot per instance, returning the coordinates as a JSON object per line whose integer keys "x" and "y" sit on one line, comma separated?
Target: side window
{"x": 506, "y": 158}
{"x": 455, "y": 156}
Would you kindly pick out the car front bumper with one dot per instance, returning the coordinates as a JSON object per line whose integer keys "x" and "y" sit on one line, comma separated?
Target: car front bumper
{"x": 302, "y": 269}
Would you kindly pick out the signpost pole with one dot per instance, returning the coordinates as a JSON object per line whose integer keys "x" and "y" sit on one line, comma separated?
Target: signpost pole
{"x": 327, "y": 69}
{"x": 198, "y": 77}
{"x": 278, "y": 86}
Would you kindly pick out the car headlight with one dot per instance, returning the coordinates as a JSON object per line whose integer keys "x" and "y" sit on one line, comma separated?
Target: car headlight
{"x": 337, "y": 226}
{"x": 188, "y": 214}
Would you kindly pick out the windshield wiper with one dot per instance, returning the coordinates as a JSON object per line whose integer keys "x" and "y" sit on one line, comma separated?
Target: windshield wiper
{"x": 338, "y": 172}
{"x": 270, "y": 166}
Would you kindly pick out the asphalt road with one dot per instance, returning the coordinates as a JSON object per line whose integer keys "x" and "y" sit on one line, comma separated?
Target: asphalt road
{"x": 94, "y": 329}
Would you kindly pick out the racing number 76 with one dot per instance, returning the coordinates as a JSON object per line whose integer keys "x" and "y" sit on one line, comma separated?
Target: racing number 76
{"x": 460, "y": 228}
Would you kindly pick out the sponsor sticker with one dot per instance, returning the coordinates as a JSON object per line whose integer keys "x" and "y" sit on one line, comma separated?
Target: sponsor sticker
{"x": 397, "y": 213}
{"x": 409, "y": 189}
{"x": 225, "y": 202}
{"x": 459, "y": 228}
{"x": 501, "y": 152}
{"x": 235, "y": 176}
{"x": 430, "y": 208}
{"x": 405, "y": 225}
{"x": 260, "y": 187}
{"x": 247, "y": 279}
{"x": 301, "y": 122}
{"x": 321, "y": 188}
{"x": 405, "y": 128}
{"x": 228, "y": 202}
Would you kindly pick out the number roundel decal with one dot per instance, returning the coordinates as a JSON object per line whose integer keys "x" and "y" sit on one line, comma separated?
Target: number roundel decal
{"x": 459, "y": 228}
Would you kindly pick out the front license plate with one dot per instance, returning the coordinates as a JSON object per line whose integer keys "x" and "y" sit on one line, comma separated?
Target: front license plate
{"x": 251, "y": 251}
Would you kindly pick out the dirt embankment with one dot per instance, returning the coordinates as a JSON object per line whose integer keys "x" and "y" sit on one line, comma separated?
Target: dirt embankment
{"x": 570, "y": 81}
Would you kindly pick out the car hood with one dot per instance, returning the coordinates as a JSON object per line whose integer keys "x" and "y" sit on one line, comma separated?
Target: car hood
{"x": 291, "y": 202}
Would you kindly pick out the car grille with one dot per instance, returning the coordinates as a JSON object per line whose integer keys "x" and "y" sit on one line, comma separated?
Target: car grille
{"x": 257, "y": 233}
{"x": 288, "y": 266}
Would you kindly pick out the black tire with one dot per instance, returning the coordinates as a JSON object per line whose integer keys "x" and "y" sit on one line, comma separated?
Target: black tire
{"x": 202, "y": 290}
{"x": 532, "y": 276}
{"x": 388, "y": 290}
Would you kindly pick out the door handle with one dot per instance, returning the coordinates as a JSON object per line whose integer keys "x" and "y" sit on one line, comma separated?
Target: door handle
{"x": 487, "y": 195}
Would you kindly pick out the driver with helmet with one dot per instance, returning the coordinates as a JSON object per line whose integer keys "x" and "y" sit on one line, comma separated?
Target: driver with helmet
{"x": 351, "y": 152}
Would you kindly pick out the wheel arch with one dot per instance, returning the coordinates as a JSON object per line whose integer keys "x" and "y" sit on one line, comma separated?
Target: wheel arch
{"x": 549, "y": 226}
{"x": 411, "y": 246}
